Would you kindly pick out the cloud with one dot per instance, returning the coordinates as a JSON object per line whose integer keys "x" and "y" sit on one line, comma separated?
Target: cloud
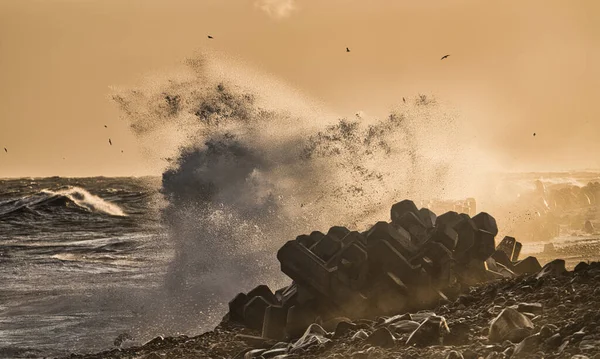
{"x": 277, "y": 9}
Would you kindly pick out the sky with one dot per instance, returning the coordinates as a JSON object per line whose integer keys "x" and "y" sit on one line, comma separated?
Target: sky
{"x": 516, "y": 68}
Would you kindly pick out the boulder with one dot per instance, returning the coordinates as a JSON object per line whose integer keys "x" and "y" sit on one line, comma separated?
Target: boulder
{"x": 510, "y": 325}
{"x": 428, "y": 217}
{"x": 529, "y": 265}
{"x": 508, "y": 246}
{"x": 314, "y": 335}
{"x": 274, "y": 322}
{"x": 262, "y": 291}
{"x": 554, "y": 268}
{"x": 401, "y": 208}
{"x": 254, "y": 312}
{"x": 430, "y": 332}
{"x": 527, "y": 346}
{"x": 236, "y": 307}
{"x": 381, "y": 337}
{"x": 486, "y": 222}
{"x": 453, "y": 354}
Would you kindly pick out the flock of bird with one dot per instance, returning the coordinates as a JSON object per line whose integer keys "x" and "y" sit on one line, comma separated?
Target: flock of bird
{"x": 211, "y": 37}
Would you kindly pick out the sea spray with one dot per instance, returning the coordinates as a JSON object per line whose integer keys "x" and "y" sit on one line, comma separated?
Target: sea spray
{"x": 245, "y": 174}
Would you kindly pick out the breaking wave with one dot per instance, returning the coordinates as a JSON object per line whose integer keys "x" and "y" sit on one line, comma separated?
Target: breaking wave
{"x": 252, "y": 163}
{"x": 48, "y": 201}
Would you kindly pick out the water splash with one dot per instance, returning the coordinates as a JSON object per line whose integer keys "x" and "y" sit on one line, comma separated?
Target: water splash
{"x": 252, "y": 164}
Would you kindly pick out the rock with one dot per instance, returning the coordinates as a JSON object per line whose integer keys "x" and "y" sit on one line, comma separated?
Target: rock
{"x": 344, "y": 328}
{"x": 508, "y": 247}
{"x": 262, "y": 291}
{"x": 274, "y": 322}
{"x": 327, "y": 247}
{"x": 535, "y": 308}
{"x": 338, "y": 232}
{"x": 510, "y": 325}
{"x": 486, "y": 222}
{"x": 398, "y": 238}
{"x": 554, "y": 268}
{"x": 298, "y": 319}
{"x": 529, "y": 265}
{"x": 255, "y": 353}
{"x": 470, "y": 354}
{"x": 430, "y": 332}
{"x": 122, "y": 338}
{"x": 273, "y": 353}
{"x": 381, "y": 337}
{"x": 403, "y": 326}
{"x": 254, "y": 312}
{"x": 314, "y": 335}
{"x": 332, "y": 324}
{"x": 401, "y": 208}
{"x": 590, "y": 342}
{"x": 360, "y": 335}
{"x": 428, "y": 217}
{"x": 527, "y": 346}
{"x": 236, "y": 307}
{"x": 453, "y": 354}
{"x": 459, "y": 334}
{"x": 255, "y": 342}
{"x": 580, "y": 267}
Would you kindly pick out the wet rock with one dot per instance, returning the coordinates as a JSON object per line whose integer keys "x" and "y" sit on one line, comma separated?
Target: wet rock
{"x": 314, "y": 335}
{"x": 486, "y": 222}
{"x": 428, "y": 217}
{"x": 527, "y": 346}
{"x": 273, "y": 353}
{"x": 581, "y": 266}
{"x": 255, "y": 353}
{"x": 274, "y": 323}
{"x": 403, "y": 326}
{"x": 360, "y": 335}
{"x": 236, "y": 307}
{"x": 535, "y": 308}
{"x": 430, "y": 332}
{"x": 381, "y": 337}
{"x": 509, "y": 250}
{"x": 453, "y": 354}
{"x": 255, "y": 342}
{"x": 510, "y": 325}
{"x": 332, "y": 324}
{"x": 262, "y": 291}
{"x": 254, "y": 312}
{"x": 344, "y": 328}
{"x": 529, "y": 265}
{"x": 590, "y": 342}
{"x": 554, "y": 268}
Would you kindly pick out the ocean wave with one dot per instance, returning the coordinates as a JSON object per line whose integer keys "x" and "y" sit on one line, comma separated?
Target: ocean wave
{"x": 48, "y": 202}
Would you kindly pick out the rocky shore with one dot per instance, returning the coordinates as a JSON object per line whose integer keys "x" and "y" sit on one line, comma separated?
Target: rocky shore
{"x": 420, "y": 286}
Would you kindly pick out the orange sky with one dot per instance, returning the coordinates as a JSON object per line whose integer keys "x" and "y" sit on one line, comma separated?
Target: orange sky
{"x": 516, "y": 67}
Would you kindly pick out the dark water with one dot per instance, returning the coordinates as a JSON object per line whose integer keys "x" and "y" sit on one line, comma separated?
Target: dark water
{"x": 74, "y": 254}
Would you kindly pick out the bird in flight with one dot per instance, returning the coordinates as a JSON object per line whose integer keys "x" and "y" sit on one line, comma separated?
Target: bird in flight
{"x": 534, "y": 134}
{"x": 445, "y": 56}
{"x": 5, "y": 150}
{"x": 210, "y": 37}
{"x": 403, "y": 99}
{"x": 105, "y": 126}
{"x": 109, "y": 142}
{"x": 347, "y": 50}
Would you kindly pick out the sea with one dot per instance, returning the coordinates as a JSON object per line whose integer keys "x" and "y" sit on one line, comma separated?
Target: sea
{"x": 71, "y": 252}
{"x": 86, "y": 265}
